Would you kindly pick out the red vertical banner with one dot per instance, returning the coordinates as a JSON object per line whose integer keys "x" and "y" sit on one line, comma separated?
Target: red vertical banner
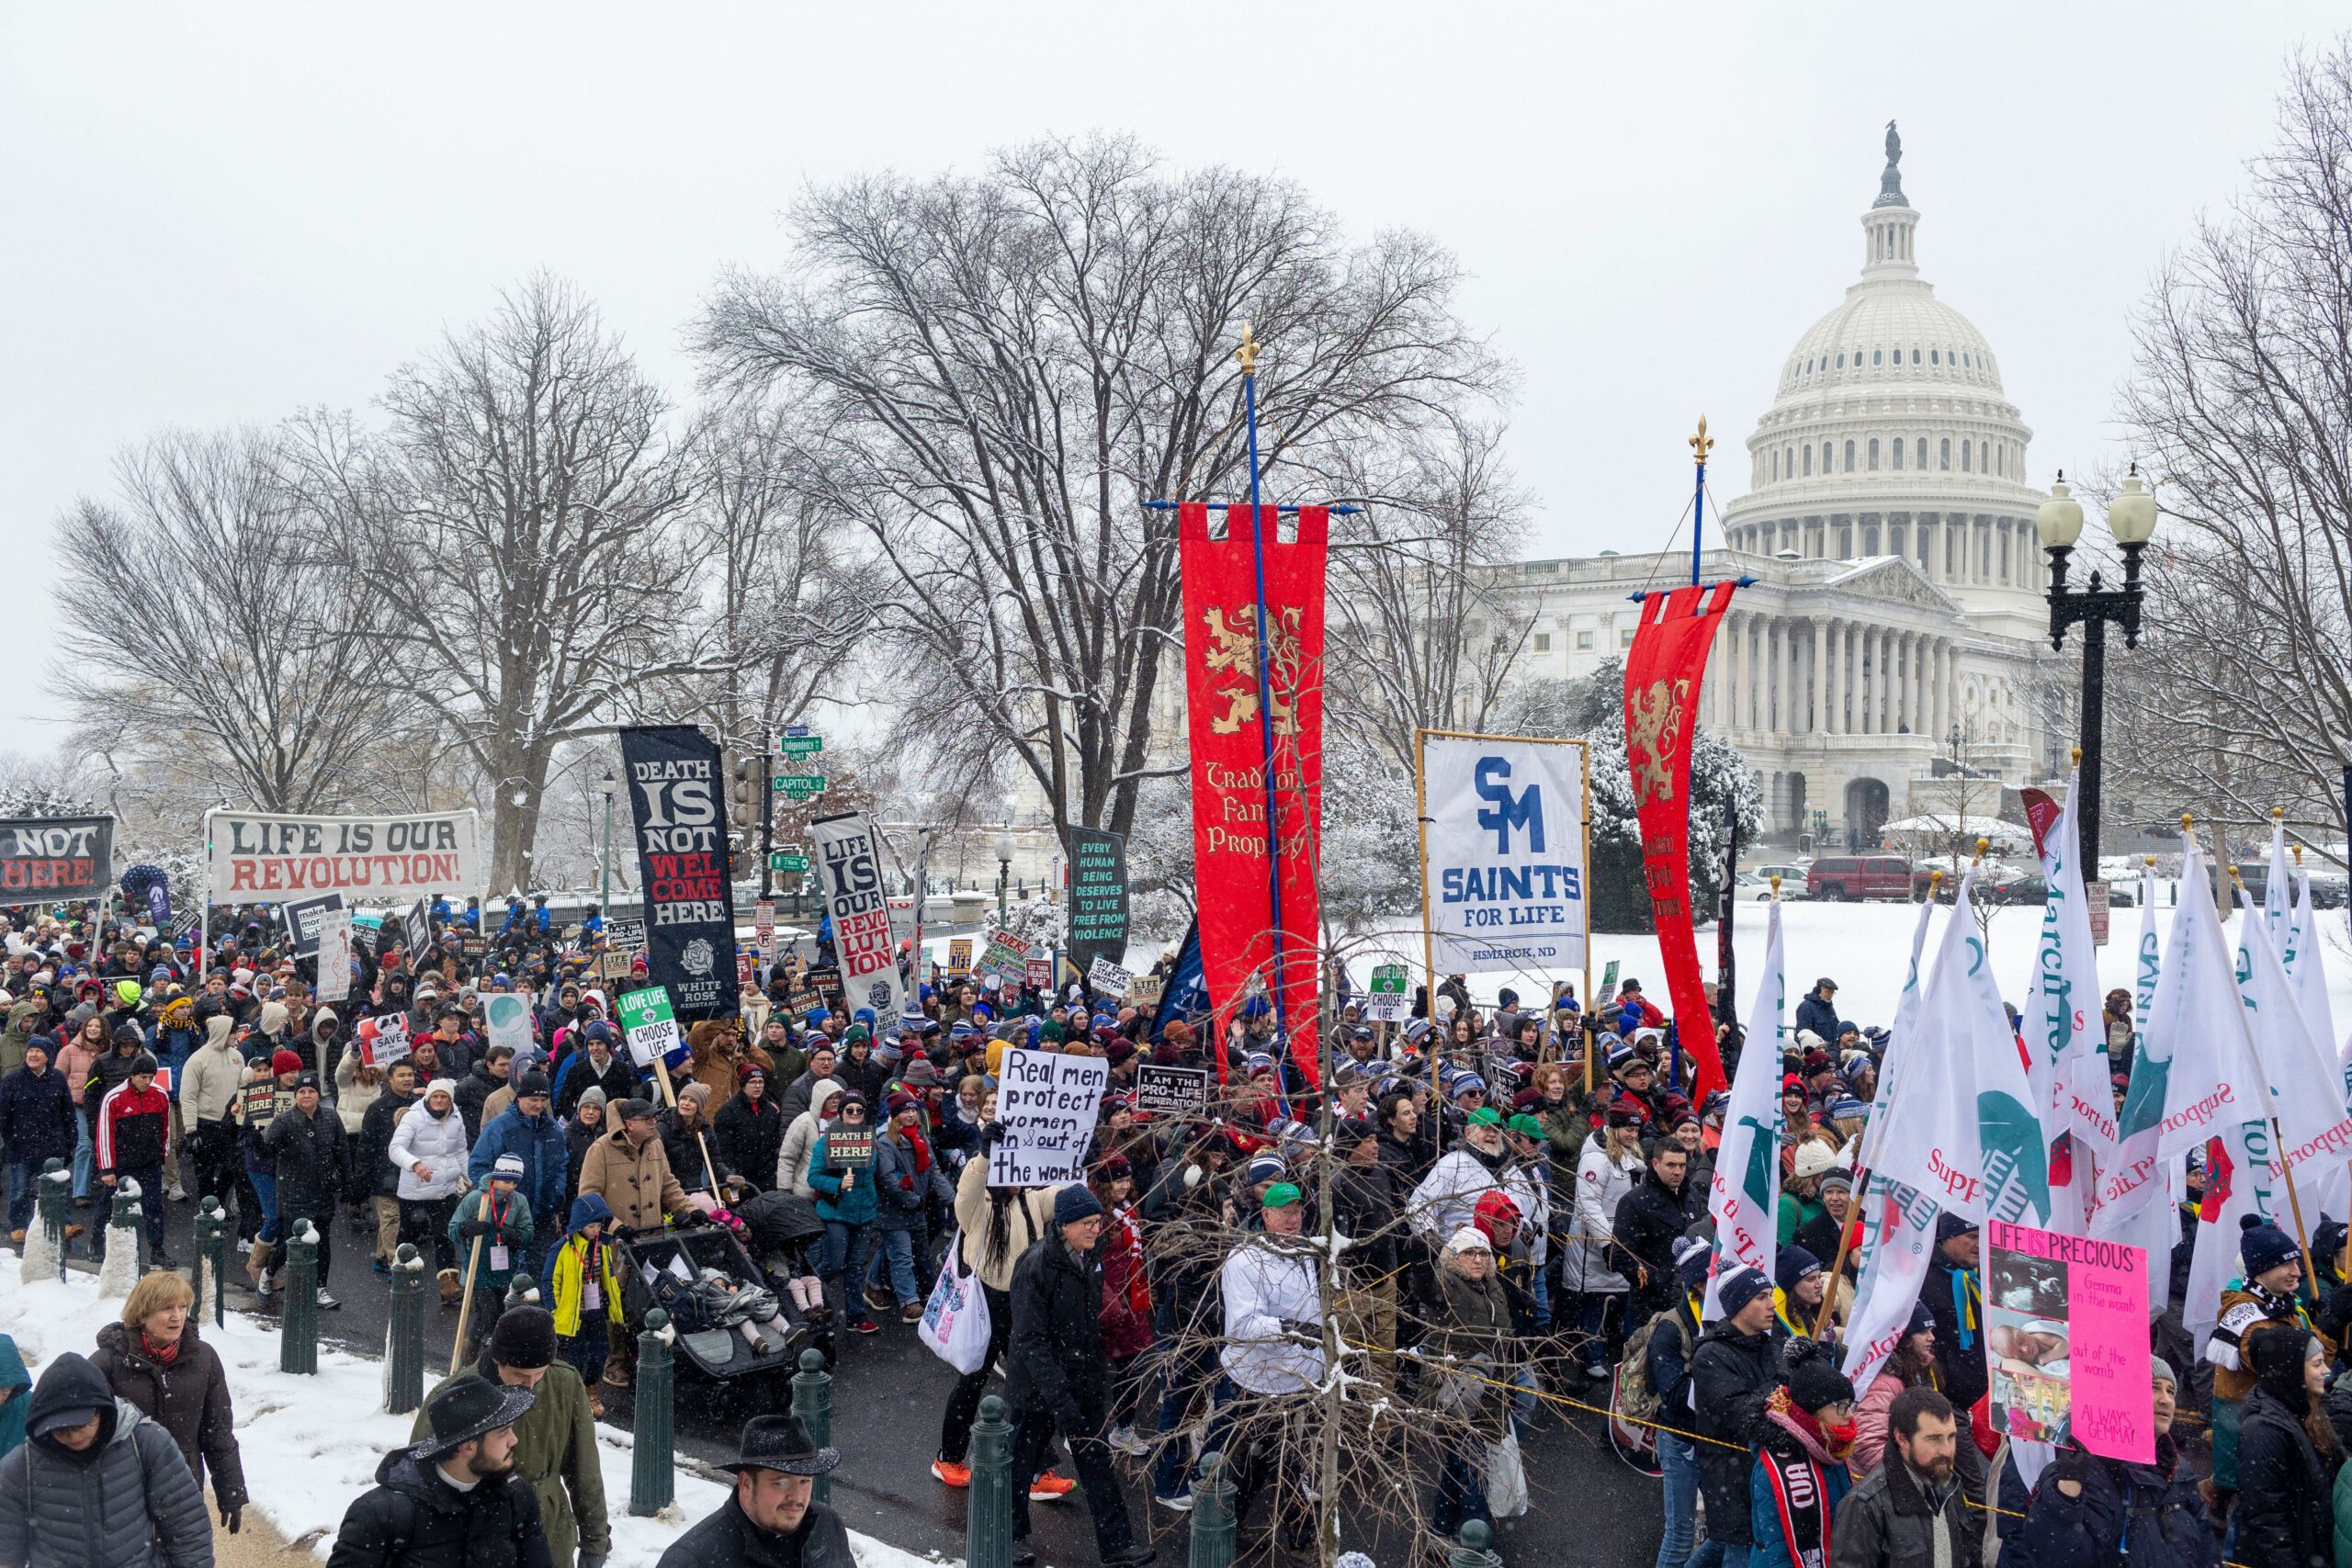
{"x": 1663, "y": 672}
{"x": 1229, "y": 785}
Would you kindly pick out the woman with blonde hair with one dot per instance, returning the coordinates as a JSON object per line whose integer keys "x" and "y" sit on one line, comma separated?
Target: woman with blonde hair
{"x": 154, "y": 1359}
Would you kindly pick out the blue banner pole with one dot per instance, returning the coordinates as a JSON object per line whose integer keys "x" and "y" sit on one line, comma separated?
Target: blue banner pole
{"x": 1248, "y": 354}
{"x": 1700, "y": 443}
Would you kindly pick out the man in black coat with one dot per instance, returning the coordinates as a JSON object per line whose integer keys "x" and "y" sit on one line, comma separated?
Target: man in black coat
{"x": 773, "y": 1518}
{"x": 36, "y": 1126}
{"x": 1817, "y": 1011}
{"x": 308, "y": 1144}
{"x": 1056, "y": 1378}
{"x": 1650, "y": 1219}
{"x": 1733, "y": 1373}
{"x": 1953, "y": 1294}
{"x": 453, "y": 1501}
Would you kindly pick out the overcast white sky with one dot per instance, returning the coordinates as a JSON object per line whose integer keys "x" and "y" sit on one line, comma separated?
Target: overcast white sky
{"x": 222, "y": 214}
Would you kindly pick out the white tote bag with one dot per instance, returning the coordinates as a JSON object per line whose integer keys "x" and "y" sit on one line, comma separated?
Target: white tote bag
{"x": 955, "y": 1319}
{"x": 1506, "y": 1478}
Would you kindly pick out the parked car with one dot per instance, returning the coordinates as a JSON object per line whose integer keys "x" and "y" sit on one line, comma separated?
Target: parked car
{"x": 1789, "y": 873}
{"x": 1859, "y": 877}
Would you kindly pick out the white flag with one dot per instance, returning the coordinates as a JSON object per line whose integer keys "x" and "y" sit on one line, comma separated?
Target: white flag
{"x": 2306, "y": 961}
{"x": 2064, "y": 1025}
{"x": 1898, "y": 1240}
{"x": 2306, "y": 1085}
{"x": 1964, "y": 1129}
{"x": 2279, "y": 889}
{"x": 1906, "y": 1016}
{"x": 2152, "y": 1219}
{"x": 1744, "y": 1196}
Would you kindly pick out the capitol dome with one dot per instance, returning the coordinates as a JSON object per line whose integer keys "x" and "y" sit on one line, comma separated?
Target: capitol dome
{"x": 1890, "y": 435}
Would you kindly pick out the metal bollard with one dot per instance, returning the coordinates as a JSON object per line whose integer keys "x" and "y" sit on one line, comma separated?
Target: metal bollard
{"x": 652, "y": 1479}
{"x": 1476, "y": 1549}
{"x": 987, "y": 1509}
{"x": 212, "y": 1260}
{"x": 404, "y": 1340}
{"x": 812, "y": 1401}
{"x": 1212, "y": 1522}
{"x": 56, "y": 1203}
{"x": 298, "y": 1340}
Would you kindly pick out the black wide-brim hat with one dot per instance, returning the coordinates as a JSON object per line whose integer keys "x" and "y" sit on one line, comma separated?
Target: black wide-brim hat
{"x": 781, "y": 1443}
{"x": 469, "y": 1407}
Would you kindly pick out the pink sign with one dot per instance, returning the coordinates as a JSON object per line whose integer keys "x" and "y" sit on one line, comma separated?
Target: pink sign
{"x": 2066, "y": 1340}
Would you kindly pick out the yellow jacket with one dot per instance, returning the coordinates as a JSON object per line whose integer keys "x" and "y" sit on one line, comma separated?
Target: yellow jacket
{"x": 564, "y": 1272}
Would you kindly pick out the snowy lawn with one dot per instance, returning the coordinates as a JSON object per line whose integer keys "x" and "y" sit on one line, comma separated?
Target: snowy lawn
{"x": 312, "y": 1444}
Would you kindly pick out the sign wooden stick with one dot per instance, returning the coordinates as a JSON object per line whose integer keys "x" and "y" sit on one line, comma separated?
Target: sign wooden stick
{"x": 465, "y": 1307}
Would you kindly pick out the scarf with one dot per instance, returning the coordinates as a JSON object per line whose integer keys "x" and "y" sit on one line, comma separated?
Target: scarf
{"x": 1967, "y": 1303}
{"x": 162, "y": 1355}
{"x": 1799, "y": 1482}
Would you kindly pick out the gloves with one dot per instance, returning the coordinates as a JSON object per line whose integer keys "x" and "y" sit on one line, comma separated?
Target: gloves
{"x": 232, "y": 1516}
{"x": 906, "y": 1184}
{"x": 472, "y": 1228}
{"x": 619, "y": 1232}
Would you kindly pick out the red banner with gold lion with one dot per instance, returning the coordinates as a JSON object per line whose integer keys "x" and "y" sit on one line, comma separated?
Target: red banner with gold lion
{"x": 1228, "y": 735}
{"x": 1663, "y": 672}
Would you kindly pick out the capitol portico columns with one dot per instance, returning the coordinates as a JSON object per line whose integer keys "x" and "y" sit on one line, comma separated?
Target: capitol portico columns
{"x": 1814, "y": 677}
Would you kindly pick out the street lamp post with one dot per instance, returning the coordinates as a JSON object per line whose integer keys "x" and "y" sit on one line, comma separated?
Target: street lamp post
{"x": 2131, "y": 518}
{"x": 1004, "y": 848}
{"x": 605, "y": 896}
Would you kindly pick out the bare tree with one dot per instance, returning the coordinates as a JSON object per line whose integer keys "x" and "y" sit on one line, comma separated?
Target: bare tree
{"x": 1006, "y": 366}
{"x": 213, "y": 646}
{"x": 524, "y": 507}
{"x": 2242, "y": 402}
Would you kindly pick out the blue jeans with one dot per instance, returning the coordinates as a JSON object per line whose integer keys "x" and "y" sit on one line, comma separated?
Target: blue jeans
{"x": 1542, "y": 1283}
{"x": 86, "y": 1156}
{"x": 1186, "y": 1373}
{"x": 1720, "y": 1555}
{"x": 585, "y": 1353}
{"x": 1461, "y": 1486}
{"x": 897, "y": 1254}
{"x": 846, "y": 1246}
{"x": 24, "y": 1183}
{"x": 1678, "y": 1458}
{"x": 265, "y": 1184}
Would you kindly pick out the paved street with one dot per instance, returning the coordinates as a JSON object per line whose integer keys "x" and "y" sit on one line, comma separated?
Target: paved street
{"x": 1589, "y": 1508}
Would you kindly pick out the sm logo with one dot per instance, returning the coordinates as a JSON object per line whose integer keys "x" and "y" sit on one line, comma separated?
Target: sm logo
{"x": 1524, "y": 809}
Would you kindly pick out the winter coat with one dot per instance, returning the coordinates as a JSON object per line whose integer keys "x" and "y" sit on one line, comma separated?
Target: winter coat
{"x": 1055, "y": 1363}
{"x": 1363, "y": 1203}
{"x": 215, "y": 1072}
{"x": 309, "y": 1154}
{"x": 538, "y": 1143}
{"x": 555, "y": 1450}
{"x": 1471, "y": 1330}
{"x": 75, "y": 1060}
{"x": 580, "y": 1074}
{"x": 747, "y": 1136}
{"x": 1765, "y": 1525}
{"x": 511, "y": 1227}
{"x": 19, "y": 1382}
{"x": 1602, "y": 1184}
{"x": 1869, "y": 1418}
{"x": 1446, "y": 1198}
{"x": 132, "y": 1129}
{"x": 2282, "y": 1515}
{"x": 1885, "y": 1522}
{"x": 1027, "y": 1216}
{"x": 868, "y": 1078}
{"x": 128, "y": 1501}
{"x": 1271, "y": 1306}
{"x": 633, "y": 1179}
{"x": 23, "y": 1019}
{"x": 371, "y": 1165}
{"x": 2339, "y": 1416}
{"x": 694, "y": 1152}
{"x": 844, "y": 1197}
{"x": 438, "y": 1143}
{"x": 1959, "y": 1347}
{"x": 799, "y": 1137}
{"x": 2154, "y": 1514}
{"x": 901, "y": 1191}
{"x": 37, "y": 1117}
{"x": 473, "y": 1090}
{"x": 728, "y": 1538}
{"x": 353, "y": 1097}
{"x": 1667, "y": 1363}
{"x": 410, "y": 1519}
{"x": 1126, "y": 1288}
{"x": 1732, "y": 1375}
{"x": 1649, "y": 1220}
{"x": 189, "y": 1399}
{"x": 566, "y": 1282}
{"x": 577, "y": 1138}
{"x": 1821, "y": 1018}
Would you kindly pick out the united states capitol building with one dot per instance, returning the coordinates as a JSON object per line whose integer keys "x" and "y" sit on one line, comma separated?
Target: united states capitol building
{"x": 1897, "y": 617}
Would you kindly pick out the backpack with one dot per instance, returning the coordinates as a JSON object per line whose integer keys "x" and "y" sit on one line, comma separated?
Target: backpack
{"x": 1636, "y": 1400}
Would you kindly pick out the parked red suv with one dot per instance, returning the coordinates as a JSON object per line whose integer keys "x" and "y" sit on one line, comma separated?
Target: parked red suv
{"x": 1859, "y": 877}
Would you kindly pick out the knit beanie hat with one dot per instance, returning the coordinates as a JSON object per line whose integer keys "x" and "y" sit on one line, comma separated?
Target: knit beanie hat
{"x": 1691, "y": 1257}
{"x": 2263, "y": 1246}
{"x": 1812, "y": 1376}
{"x": 282, "y": 1062}
{"x": 2161, "y": 1371}
{"x": 1074, "y": 1203}
{"x": 524, "y": 1339}
{"x": 1792, "y": 1264}
{"x": 1739, "y": 1286}
{"x": 2277, "y": 1355}
{"x": 1468, "y": 1238}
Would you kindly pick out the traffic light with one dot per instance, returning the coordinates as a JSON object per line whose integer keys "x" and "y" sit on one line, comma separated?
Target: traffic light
{"x": 751, "y": 777}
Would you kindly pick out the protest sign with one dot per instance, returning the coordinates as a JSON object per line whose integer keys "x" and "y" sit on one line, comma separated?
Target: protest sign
{"x": 851, "y": 1148}
{"x": 1006, "y": 957}
{"x": 959, "y": 957}
{"x": 614, "y": 964}
{"x": 254, "y": 855}
{"x": 417, "y": 927}
{"x": 825, "y": 980}
{"x": 506, "y": 1020}
{"x": 1503, "y": 880}
{"x": 383, "y": 1040}
{"x": 334, "y": 955}
{"x": 1098, "y": 897}
{"x": 1171, "y": 1091}
{"x": 1039, "y": 972}
{"x": 650, "y": 1023}
{"x": 681, "y": 818}
{"x": 2066, "y": 1340}
{"x": 367, "y": 932}
{"x": 848, "y": 861}
{"x": 1390, "y": 999}
{"x": 1144, "y": 990}
{"x": 1048, "y": 1104}
{"x": 626, "y": 935}
{"x": 1108, "y": 979}
{"x": 55, "y": 857}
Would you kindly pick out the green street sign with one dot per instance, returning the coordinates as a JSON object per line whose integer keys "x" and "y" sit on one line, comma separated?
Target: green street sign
{"x": 787, "y": 860}
{"x": 800, "y": 745}
{"x": 800, "y": 786}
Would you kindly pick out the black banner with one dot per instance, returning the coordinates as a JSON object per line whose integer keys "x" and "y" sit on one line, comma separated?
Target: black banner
{"x": 681, "y": 815}
{"x": 302, "y": 916}
{"x": 1098, "y": 898}
{"x": 42, "y": 858}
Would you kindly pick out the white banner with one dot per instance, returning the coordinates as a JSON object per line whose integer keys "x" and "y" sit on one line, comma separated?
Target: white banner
{"x": 2065, "y": 1026}
{"x": 1048, "y": 1104}
{"x": 1504, "y": 877}
{"x": 334, "y": 956}
{"x": 2306, "y": 1087}
{"x": 1744, "y": 1198}
{"x": 849, "y": 863}
{"x": 255, "y": 857}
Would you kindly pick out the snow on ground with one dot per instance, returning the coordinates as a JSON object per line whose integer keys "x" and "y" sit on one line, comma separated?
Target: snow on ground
{"x": 312, "y": 1444}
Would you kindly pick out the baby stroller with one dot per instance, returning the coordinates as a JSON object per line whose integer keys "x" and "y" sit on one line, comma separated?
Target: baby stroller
{"x": 783, "y": 1234}
{"x": 730, "y": 1321}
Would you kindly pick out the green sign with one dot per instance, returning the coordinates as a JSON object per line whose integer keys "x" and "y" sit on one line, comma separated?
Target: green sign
{"x": 1387, "y": 1002}
{"x": 648, "y": 1022}
{"x": 787, "y": 860}
{"x": 1388, "y": 980}
{"x": 800, "y": 745}
{"x": 800, "y": 786}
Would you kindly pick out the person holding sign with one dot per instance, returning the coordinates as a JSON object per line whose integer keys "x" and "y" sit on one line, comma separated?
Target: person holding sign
{"x": 844, "y": 1189}
{"x": 2090, "y": 1510}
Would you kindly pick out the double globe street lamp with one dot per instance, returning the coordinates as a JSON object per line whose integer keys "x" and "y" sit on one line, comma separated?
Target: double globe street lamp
{"x": 2131, "y": 518}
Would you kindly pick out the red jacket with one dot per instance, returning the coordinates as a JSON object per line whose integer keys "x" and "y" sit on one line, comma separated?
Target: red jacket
{"x": 134, "y": 1128}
